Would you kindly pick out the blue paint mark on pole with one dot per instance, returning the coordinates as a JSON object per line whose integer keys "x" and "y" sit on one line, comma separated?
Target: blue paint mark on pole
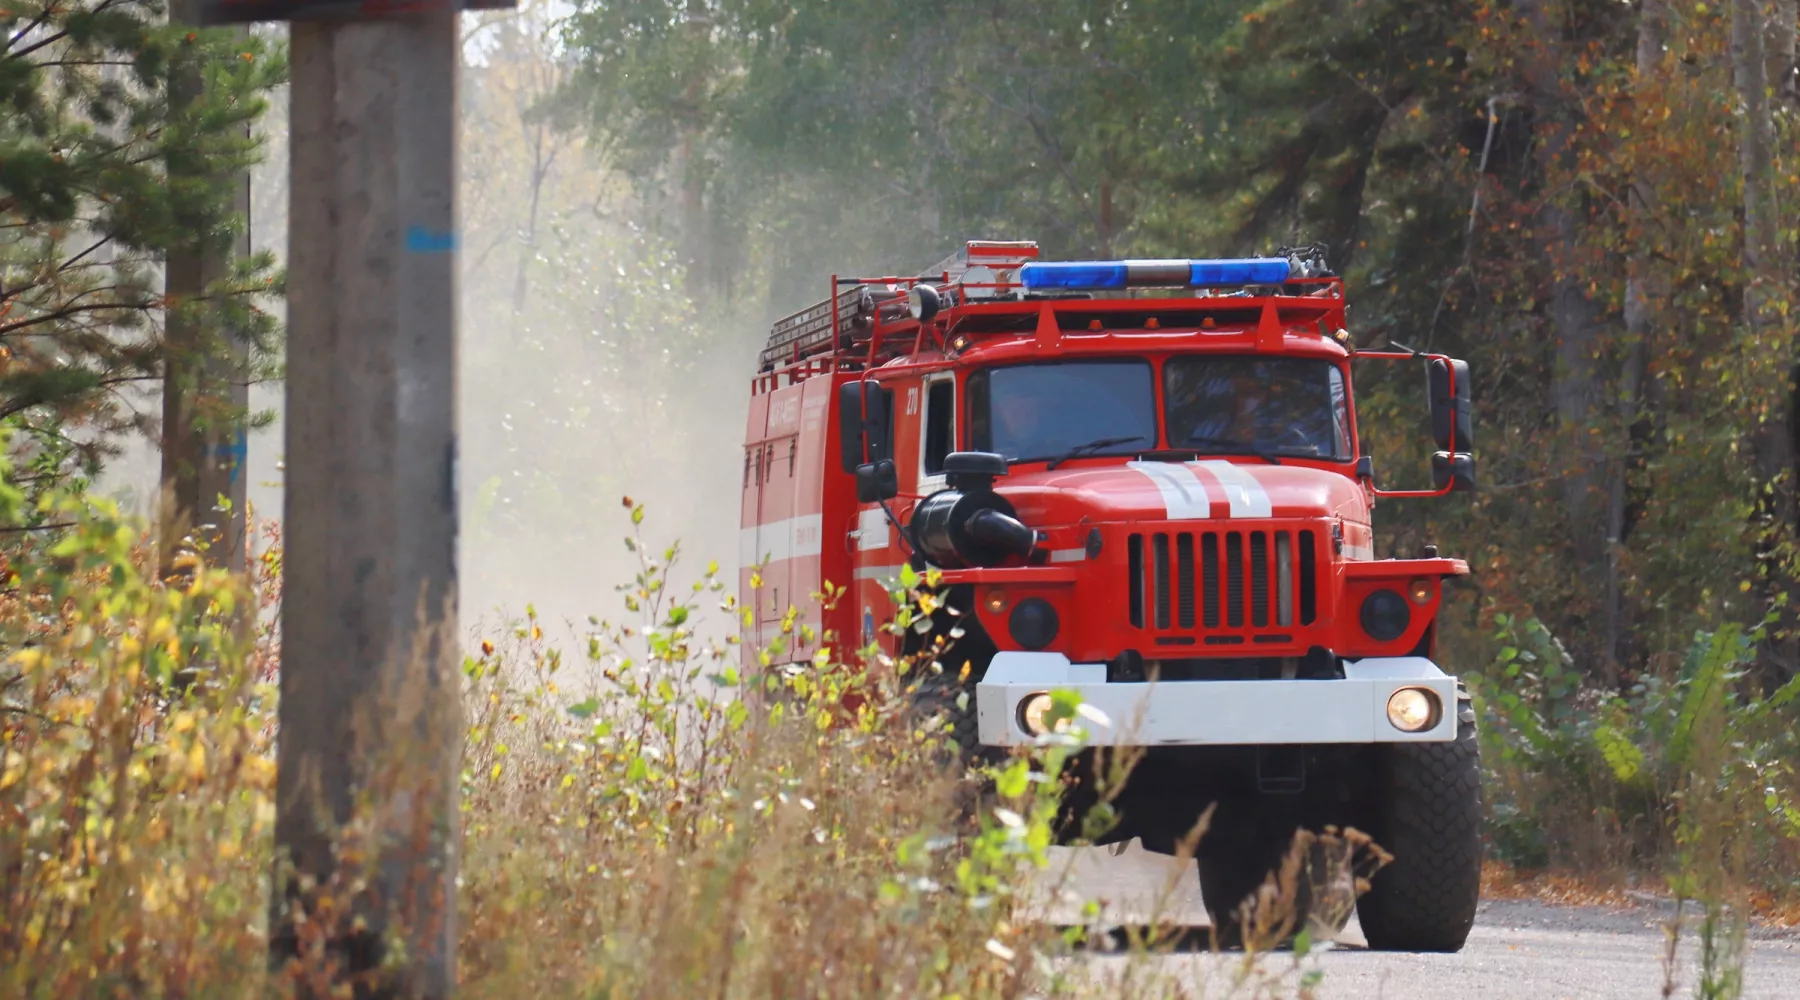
{"x": 422, "y": 240}
{"x": 233, "y": 453}
{"x": 240, "y": 449}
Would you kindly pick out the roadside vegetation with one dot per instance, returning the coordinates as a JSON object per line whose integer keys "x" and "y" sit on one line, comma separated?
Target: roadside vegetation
{"x": 1592, "y": 201}
{"x": 639, "y": 819}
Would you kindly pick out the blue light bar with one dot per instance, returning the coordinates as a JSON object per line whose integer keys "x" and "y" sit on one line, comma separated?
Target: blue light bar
{"x": 1074, "y": 274}
{"x": 1083, "y": 274}
{"x": 1242, "y": 271}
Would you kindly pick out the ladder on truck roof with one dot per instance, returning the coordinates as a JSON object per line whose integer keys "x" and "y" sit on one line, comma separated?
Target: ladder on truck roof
{"x": 982, "y": 267}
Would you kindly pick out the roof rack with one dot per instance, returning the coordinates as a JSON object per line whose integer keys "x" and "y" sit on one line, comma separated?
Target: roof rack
{"x": 985, "y": 269}
{"x": 991, "y": 272}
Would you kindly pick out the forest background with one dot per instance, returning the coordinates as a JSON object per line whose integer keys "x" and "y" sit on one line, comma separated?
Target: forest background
{"x": 1595, "y": 202}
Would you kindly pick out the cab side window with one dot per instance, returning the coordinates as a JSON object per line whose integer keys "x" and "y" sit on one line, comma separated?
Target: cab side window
{"x": 939, "y": 438}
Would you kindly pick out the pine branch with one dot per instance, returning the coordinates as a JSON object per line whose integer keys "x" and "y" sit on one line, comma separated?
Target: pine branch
{"x": 52, "y": 40}
{"x": 102, "y": 241}
{"x": 52, "y": 526}
{"x": 35, "y": 24}
{"x": 65, "y": 313}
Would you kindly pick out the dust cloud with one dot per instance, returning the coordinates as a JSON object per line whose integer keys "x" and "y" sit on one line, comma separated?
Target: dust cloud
{"x": 587, "y": 373}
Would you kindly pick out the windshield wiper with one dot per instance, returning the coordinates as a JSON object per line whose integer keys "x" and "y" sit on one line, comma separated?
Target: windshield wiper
{"x": 1092, "y": 446}
{"x": 1227, "y": 446}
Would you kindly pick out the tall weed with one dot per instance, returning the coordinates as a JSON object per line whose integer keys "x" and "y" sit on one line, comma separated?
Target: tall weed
{"x": 639, "y": 819}
{"x": 134, "y": 796}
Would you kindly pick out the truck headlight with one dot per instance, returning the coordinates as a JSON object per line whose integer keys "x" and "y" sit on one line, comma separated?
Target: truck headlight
{"x": 1032, "y": 709}
{"x": 1413, "y": 710}
{"x": 1385, "y": 615}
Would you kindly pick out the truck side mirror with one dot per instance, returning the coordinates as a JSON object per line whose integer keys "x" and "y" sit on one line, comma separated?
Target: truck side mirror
{"x": 865, "y": 415}
{"x": 1455, "y": 471}
{"x": 1451, "y": 410}
{"x": 877, "y": 481}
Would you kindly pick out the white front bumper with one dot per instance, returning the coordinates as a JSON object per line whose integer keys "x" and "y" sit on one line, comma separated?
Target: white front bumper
{"x": 1216, "y": 713}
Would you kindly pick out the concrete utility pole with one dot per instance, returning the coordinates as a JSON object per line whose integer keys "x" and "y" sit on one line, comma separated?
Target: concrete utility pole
{"x": 371, "y": 729}
{"x": 369, "y": 678}
{"x": 199, "y": 466}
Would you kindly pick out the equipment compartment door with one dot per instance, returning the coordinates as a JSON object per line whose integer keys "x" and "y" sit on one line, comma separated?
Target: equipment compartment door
{"x": 776, "y": 536}
{"x": 750, "y": 518}
{"x": 788, "y": 524}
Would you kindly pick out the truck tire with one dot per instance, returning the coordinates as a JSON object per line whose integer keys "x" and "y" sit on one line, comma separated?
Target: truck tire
{"x": 1428, "y": 816}
{"x": 944, "y": 694}
{"x": 935, "y": 698}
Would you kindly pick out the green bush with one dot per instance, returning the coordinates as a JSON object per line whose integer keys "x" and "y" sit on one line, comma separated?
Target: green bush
{"x": 1593, "y": 780}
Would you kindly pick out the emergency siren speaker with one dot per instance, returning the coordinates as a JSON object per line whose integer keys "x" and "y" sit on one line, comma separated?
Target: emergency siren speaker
{"x": 968, "y": 524}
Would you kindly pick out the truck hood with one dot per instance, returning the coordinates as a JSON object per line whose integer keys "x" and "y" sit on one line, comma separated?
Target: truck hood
{"x": 1213, "y": 489}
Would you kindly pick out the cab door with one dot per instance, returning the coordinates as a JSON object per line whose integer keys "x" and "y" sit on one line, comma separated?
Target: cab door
{"x": 925, "y": 429}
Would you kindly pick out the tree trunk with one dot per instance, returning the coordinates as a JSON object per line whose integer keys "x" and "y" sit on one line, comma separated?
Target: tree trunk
{"x": 1783, "y": 15}
{"x": 1106, "y": 220}
{"x": 1574, "y": 390}
{"x": 202, "y": 453}
{"x": 689, "y": 176}
{"x": 1754, "y": 33}
{"x": 1645, "y": 289}
{"x": 540, "y": 171}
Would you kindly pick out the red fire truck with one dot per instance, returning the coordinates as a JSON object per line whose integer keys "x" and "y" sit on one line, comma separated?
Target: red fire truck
{"x": 1141, "y": 480}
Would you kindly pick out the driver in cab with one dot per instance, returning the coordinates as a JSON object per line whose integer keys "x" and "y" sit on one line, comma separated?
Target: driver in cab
{"x": 1242, "y": 413}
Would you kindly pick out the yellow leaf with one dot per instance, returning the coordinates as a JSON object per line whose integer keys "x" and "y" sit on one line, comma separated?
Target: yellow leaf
{"x": 260, "y": 771}
{"x": 29, "y": 659}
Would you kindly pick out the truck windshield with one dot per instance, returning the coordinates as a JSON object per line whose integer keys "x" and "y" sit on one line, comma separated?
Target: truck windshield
{"x": 1036, "y": 412}
{"x": 1273, "y": 406}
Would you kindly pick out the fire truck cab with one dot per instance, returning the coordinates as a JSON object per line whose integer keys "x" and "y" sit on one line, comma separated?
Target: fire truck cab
{"x": 1141, "y": 480}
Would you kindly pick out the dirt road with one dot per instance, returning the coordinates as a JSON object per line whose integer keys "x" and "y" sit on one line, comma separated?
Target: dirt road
{"x": 1519, "y": 949}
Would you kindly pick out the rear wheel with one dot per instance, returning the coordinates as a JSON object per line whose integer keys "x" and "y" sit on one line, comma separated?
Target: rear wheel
{"x": 1428, "y": 816}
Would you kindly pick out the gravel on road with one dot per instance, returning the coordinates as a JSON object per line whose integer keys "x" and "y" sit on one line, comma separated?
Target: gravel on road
{"x": 1519, "y": 948}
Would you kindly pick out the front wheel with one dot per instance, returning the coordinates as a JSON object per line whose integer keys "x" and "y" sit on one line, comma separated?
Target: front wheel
{"x": 1428, "y": 816}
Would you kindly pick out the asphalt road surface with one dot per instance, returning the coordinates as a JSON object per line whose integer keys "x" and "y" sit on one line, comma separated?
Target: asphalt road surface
{"x": 1518, "y": 948}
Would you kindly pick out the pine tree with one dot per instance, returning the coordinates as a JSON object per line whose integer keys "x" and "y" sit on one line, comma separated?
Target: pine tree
{"x": 88, "y": 147}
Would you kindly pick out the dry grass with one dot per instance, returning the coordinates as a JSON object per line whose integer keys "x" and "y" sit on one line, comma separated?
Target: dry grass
{"x": 1500, "y": 880}
{"x": 637, "y": 820}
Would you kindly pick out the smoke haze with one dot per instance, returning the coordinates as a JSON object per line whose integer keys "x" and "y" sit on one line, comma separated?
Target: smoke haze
{"x": 587, "y": 372}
